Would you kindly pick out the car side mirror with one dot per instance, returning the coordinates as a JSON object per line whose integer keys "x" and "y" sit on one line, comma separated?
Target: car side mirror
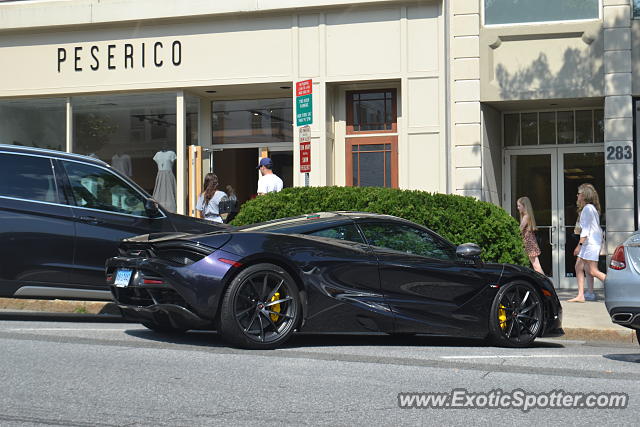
{"x": 469, "y": 251}
{"x": 151, "y": 206}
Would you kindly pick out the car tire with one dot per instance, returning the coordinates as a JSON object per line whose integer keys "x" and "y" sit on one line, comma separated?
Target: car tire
{"x": 260, "y": 308}
{"x": 516, "y": 316}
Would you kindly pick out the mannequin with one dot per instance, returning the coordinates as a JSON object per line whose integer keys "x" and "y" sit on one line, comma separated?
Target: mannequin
{"x": 165, "y": 189}
{"x": 122, "y": 163}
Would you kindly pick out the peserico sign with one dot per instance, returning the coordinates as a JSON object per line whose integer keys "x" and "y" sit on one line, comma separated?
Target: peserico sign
{"x": 128, "y": 55}
{"x": 305, "y": 149}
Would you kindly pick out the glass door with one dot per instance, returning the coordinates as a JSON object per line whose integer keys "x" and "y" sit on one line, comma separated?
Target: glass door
{"x": 578, "y": 166}
{"x": 533, "y": 173}
{"x": 550, "y": 177}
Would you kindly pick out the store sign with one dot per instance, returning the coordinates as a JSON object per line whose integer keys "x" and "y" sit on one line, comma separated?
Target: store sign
{"x": 128, "y": 55}
{"x": 304, "y": 104}
{"x": 305, "y": 149}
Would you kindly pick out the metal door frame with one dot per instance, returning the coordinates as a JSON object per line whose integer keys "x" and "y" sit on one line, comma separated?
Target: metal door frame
{"x": 557, "y": 236}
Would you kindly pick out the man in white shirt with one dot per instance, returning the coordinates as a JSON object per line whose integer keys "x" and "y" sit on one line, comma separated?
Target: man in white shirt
{"x": 268, "y": 182}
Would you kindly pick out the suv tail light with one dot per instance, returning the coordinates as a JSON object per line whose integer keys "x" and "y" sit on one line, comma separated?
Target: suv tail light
{"x": 617, "y": 260}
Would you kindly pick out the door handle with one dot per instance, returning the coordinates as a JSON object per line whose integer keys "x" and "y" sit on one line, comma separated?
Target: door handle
{"x": 552, "y": 231}
{"x": 90, "y": 220}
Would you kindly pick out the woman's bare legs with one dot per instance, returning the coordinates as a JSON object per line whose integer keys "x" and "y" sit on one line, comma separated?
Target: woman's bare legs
{"x": 580, "y": 269}
{"x": 592, "y": 269}
{"x": 535, "y": 262}
{"x": 589, "y": 281}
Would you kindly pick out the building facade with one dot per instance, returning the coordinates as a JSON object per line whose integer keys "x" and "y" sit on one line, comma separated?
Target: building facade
{"x": 494, "y": 99}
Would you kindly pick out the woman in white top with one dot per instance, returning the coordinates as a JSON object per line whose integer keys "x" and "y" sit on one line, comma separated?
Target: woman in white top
{"x": 588, "y": 249}
{"x": 209, "y": 200}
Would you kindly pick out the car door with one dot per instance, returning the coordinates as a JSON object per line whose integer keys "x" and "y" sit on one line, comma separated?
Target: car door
{"x": 106, "y": 209}
{"x": 427, "y": 287}
{"x": 351, "y": 278}
{"x": 36, "y": 227}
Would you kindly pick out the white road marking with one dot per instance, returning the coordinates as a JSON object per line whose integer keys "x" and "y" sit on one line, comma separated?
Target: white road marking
{"x": 521, "y": 356}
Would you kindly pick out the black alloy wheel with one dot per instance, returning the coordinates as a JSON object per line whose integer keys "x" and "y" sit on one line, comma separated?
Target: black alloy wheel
{"x": 261, "y": 308}
{"x": 516, "y": 315}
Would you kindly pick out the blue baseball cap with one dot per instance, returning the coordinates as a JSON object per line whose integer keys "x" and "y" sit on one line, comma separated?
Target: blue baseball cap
{"x": 265, "y": 161}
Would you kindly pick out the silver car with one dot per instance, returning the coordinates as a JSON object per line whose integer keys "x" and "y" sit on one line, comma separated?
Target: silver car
{"x": 622, "y": 285}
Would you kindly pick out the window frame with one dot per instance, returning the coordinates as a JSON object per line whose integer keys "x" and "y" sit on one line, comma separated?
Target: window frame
{"x": 73, "y": 202}
{"x": 355, "y": 227}
{"x": 54, "y": 174}
{"x": 394, "y": 111}
{"x": 454, "y": 258}
{"x": 569, "y": 21}
{"x": 392, "y": 140}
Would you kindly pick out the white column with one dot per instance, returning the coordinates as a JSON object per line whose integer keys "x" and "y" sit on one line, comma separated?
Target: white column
{"x": 181, "y": 166}
{"x": 69, "y": 135}
{"x": 465, "y": 95}
{"x": 618, "y": 113}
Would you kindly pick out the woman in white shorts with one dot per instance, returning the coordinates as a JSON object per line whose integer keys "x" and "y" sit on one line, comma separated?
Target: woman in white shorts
{"x": 588, "y": 248}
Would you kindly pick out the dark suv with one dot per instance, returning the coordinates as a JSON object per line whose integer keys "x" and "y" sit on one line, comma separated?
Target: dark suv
{"x": 62, "y": 215}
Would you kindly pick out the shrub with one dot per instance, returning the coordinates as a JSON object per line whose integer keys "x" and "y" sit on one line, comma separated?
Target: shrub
{"x": 457, "y": 218}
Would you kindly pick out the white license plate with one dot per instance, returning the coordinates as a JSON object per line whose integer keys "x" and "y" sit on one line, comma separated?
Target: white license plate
{"x": 123, "y": 276}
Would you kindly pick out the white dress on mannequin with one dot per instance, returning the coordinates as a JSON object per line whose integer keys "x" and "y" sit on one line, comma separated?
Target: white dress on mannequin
{"x": 122, "y": 163}
{"x": 165, "y": 189}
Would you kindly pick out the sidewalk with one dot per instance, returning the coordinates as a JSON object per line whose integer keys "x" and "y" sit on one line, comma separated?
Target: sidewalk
{"x": 590, "y": 321}
{"x": 583, "y": 322}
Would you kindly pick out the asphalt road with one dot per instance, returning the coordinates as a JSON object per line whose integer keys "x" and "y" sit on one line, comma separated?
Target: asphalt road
{"x": 60, "y": 372}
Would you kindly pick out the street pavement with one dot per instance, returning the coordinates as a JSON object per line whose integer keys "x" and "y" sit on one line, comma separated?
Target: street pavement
{"x": 115, "y": 374}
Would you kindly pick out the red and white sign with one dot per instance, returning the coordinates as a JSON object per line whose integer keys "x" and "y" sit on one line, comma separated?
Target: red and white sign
{"x": 305, "y": 149}
{"x": 304, "y": 87}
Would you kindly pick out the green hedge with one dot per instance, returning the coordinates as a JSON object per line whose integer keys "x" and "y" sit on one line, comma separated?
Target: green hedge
{"x": 459, "y": 219}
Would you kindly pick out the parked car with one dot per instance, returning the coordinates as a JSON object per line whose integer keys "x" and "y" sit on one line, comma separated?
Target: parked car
{"x": 335, "y": 271}
{"x": 622, "y": 285}
{"x": 62, "y": 215}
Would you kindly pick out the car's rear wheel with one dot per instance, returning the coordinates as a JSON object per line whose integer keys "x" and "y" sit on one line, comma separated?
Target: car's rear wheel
{"x": 260, "y": 308}
{"x": 516, "y": 315}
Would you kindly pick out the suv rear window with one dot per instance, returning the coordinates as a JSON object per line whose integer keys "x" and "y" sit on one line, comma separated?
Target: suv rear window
{"x": 27, "y": 177}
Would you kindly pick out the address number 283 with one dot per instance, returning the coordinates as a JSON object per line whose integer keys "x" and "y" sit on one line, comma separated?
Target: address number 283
{"x": 619, "y": 152}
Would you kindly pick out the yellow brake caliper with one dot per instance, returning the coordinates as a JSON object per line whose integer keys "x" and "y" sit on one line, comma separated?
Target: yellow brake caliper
{"x": 276, "y": 307}
{"x": 502, "y": 316}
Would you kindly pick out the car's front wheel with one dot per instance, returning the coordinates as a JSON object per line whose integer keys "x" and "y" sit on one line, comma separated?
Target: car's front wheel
{"x": 516, "y": 315}
{"x": 261, "y": 308}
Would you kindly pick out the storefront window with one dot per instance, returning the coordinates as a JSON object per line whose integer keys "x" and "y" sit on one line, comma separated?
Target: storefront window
{"x": 372, "y": 110}
{"x": 511, "y": 129}
{"x": 136, "y": 134}
{"x": 192, "y": 104}
{"x": 252, "y": 121}
{"x": 37, "y": 123}
{"x": 529, "y": 128}
{"x": 636, "y": 8}
{"x": 554, "y": 127}
{"x": 524, "y": 11}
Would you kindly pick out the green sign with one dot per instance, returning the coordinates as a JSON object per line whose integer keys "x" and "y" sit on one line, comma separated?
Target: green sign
{"x": 304, "y": 110}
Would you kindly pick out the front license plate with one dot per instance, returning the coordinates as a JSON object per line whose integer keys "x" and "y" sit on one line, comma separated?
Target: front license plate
{"x": 123, "y": 276}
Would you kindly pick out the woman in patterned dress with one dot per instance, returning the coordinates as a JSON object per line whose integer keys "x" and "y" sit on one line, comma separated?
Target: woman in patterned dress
{"x": 528, "y": 229}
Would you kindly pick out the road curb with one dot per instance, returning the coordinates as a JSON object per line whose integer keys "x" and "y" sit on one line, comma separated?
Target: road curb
{"x": 59, "y": 306}
{"x": 608, "y": 335}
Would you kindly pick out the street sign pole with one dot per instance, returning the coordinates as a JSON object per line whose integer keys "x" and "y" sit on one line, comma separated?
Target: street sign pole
{"x": 304, "y": 118}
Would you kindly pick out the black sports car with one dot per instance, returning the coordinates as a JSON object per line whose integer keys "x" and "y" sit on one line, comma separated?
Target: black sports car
{"x": 337, "y": 271}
